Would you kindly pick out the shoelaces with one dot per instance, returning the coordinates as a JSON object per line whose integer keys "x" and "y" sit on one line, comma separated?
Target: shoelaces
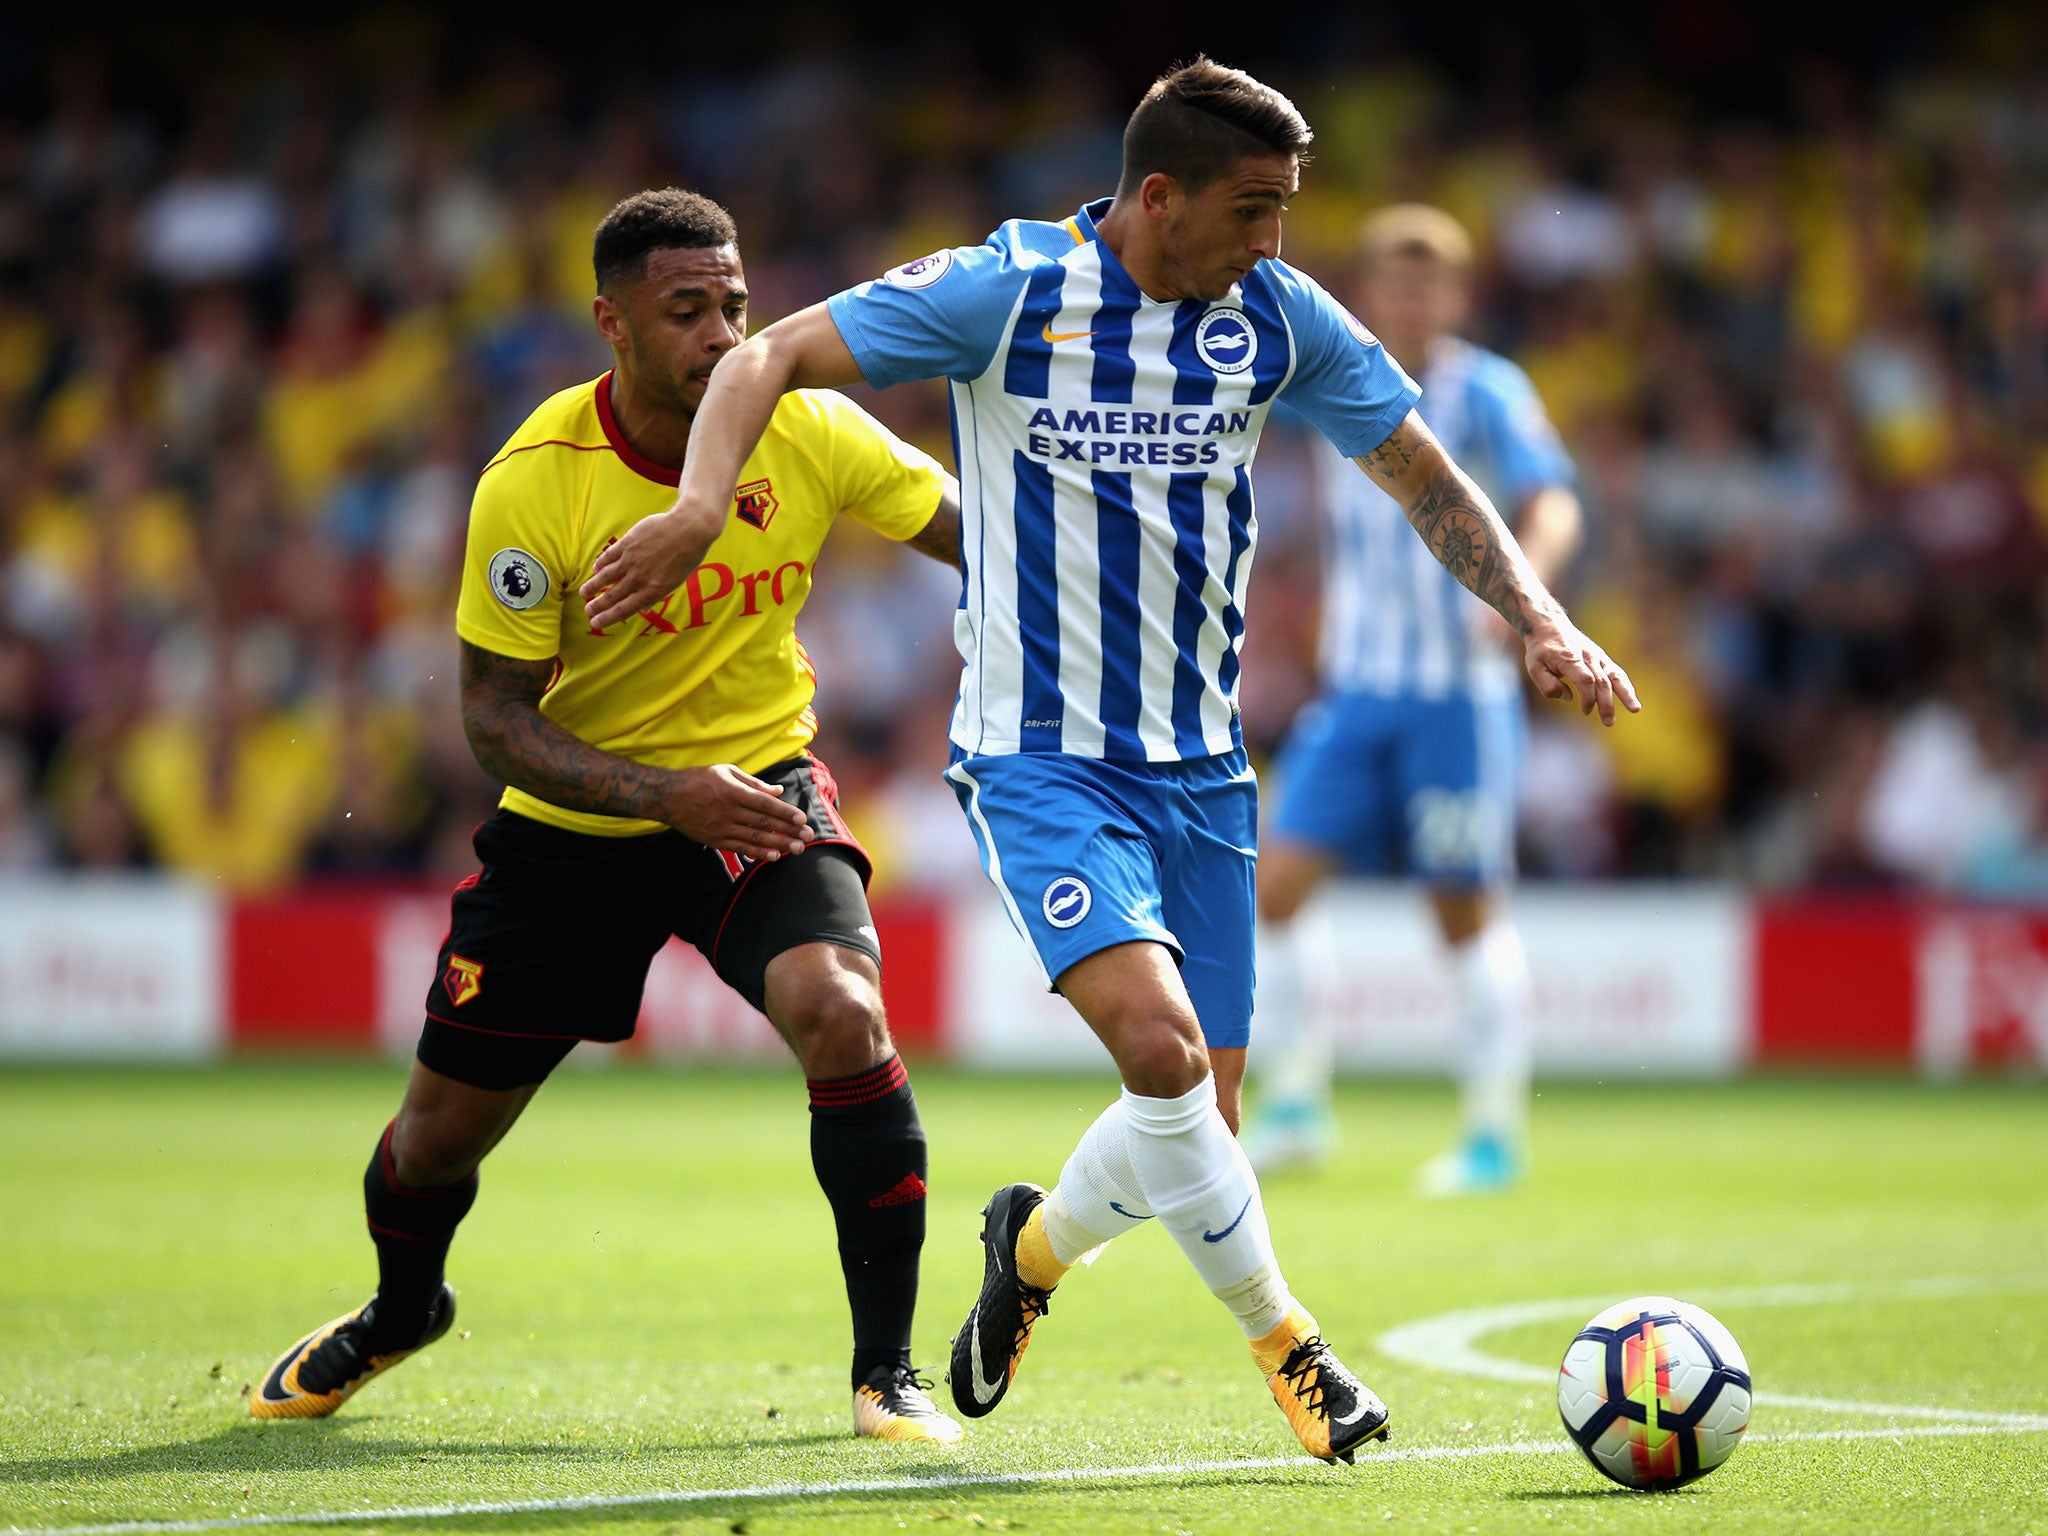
{"x": 905, "y": 1378}
{"x": 1307, "y": 1371}
{"x": 1032, "y": 1304}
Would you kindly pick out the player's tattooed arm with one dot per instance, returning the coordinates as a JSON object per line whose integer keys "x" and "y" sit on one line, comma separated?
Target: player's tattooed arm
{"x": 1462, "y": 529}
{"x": 940, "y": 538}
{"x": 804, "y": 351}
{"x": 1457, "y": 522}
{"x": 516, "y": 744}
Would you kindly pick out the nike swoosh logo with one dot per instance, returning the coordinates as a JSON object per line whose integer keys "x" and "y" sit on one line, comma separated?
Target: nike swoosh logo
{"x": 867, "y": 931}
{"x": 1217, "y": 1237}
{"x": 984, "y": 1389}
{"x": 1056, "y": 337}
{"x": 1127, "y": 1215}
{"x": 1352, "y": 1417}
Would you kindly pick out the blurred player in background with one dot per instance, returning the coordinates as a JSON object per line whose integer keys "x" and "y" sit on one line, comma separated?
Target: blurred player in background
{"x": 1408, "y": 761}
{"x": 1111, "y": 374}
{"x": 659, "y": 783}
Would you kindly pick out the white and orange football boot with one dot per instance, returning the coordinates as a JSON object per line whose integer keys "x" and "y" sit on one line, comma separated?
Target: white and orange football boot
{"x": 895, "y": 1404}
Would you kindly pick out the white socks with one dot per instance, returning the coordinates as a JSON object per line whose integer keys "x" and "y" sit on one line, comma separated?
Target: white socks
{"x": 1493, "y": 994}
{"x": 1204, "y": 1192}
{"x": 1097, "y": 1198}
{"x": 1174, "y": 1158}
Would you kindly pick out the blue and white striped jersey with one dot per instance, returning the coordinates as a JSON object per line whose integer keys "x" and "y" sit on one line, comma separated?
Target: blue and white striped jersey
{"x": 1105, "y": 442}
{"x": 1394, "y": 620}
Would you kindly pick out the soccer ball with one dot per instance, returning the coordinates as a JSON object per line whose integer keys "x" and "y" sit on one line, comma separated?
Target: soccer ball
{"x": 1655, "y": 1392}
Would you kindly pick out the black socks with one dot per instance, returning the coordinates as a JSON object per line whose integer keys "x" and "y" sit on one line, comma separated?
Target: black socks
{"x": 869, "y": 1152}
{"x": 412, "y": 1229}
{"x": 867, "y": 1147}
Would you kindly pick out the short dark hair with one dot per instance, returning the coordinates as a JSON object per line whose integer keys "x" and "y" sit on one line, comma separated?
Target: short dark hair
{"x": 661, "y": 219}
{"x": 1201, "y": 118}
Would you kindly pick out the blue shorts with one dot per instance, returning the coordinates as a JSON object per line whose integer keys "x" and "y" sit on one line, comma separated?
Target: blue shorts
{"x": 1088, "y": 853}
{"x": 1404, "y": 784}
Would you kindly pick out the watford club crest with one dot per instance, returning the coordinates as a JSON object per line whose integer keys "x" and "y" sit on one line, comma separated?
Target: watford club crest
{"x": 755, "y": 503}
{"x": 464, "y": 980}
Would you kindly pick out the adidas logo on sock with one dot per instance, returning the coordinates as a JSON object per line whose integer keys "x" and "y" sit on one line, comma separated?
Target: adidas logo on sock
{"x": 911, "y": 1188}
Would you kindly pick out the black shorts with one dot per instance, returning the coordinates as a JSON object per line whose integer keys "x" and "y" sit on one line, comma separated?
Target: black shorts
{"x": 550, "y": 941}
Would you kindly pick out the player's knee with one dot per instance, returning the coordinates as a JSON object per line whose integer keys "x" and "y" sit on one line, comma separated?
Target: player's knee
{"x": 1285, "y": 884}
{"x": 1162, "y": 1060}
{"x": 429, "y": 1151}
{"x": 837, "y": 1030}
{"x": 1279, "y": 900}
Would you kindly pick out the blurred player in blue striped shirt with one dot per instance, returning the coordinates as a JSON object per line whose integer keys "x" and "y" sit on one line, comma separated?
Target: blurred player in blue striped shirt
{"x": 1110, "y": 376}
{"x": 1408, "y": 760}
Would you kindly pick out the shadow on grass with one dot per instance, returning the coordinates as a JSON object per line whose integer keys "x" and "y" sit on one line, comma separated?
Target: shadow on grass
{"x": 312, "y": 1445}
{"x": 1616, "y": 1491}
{"x": 949, "y": 1481}
{"x": 991, "y": 1499}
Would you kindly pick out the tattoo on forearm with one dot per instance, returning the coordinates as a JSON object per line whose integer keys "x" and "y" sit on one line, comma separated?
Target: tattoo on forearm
{"x": 1464, "y": 532}
{"x": 940, "y": 538}
{"x": 1392, "y": 456}
{"x": 516, "y": 744}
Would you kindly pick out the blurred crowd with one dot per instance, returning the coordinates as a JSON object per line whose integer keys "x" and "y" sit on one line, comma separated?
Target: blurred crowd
{"x": 267, "y": 307}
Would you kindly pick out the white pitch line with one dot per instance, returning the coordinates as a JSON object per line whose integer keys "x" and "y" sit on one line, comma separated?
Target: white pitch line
{"x": 1449, "y": 1341}
{"x": 2034, "y": 1423}
{"x": 1989, "y": 1416}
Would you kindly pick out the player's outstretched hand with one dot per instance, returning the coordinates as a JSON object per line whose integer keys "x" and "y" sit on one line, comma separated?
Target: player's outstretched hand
{"x": 1564, "y": 664}
{"x": 722, "y": 807}
{"x": 654, "y": 558}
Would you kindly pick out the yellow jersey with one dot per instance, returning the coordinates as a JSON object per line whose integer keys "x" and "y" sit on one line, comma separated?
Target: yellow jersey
{"x": 714, "y": 673}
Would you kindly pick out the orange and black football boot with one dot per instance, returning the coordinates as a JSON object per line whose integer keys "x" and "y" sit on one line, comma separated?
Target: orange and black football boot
{"x": 998, "y": 1329}
{"x": 329, "y": 1366}
{"x": 1330, "y": 1410}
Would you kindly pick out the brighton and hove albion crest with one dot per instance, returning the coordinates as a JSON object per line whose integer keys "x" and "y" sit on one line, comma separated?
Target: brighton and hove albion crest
{"x": 464, "y": 980}
{"x": 1066, "y": 901}
{"x": 518, "y": 579}
{"x": 755, "y": 504}
{"x": 1225, "y": 340}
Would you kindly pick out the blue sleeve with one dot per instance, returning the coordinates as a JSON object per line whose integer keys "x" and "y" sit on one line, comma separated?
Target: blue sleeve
{"x": 1527, "y": 454}
{"x": 1343, "y": 382}
{"x": 939, "y": 316}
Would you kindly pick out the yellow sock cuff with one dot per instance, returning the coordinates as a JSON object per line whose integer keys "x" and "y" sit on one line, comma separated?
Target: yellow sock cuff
{"x": 1270, "y": 1351}
{"x": 1037, "y": 1264}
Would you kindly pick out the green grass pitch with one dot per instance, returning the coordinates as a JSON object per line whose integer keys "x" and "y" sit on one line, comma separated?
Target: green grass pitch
{"x": 650, "y": 1305}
